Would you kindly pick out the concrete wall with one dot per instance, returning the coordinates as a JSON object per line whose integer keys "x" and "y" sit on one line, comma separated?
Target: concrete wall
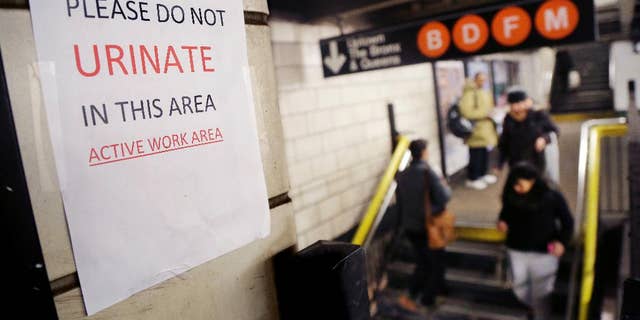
{"x": 236, "y": 286}
{"x": 337, "y": 131}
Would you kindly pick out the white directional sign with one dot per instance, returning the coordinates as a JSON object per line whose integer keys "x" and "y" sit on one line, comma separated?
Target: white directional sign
{"x": 335, "y": 60}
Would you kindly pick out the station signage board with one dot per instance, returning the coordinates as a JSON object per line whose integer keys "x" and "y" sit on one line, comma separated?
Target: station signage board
{"x": 514, "y": 25}
{"x": 154, "y": 134}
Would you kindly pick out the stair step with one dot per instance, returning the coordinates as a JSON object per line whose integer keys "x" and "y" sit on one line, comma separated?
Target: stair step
{"x": 400, "y": 273}
{"x": 476, "y": 279}
{"x": 449, "y": 309}
{"x": 476, "y": 248}
{"x": 479, "y": 311}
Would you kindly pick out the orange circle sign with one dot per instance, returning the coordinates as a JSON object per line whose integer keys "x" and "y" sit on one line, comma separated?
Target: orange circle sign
{"x": 434, "y": 39}
{"x": 511, "y": 26}
{"x": 557, "y": 19}
{"x": 470, "y": 33}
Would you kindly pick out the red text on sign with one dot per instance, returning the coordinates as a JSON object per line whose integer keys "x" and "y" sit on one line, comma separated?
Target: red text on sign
{"x": 115, "y": 59}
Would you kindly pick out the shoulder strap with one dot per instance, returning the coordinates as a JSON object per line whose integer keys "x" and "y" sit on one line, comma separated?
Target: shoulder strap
{"x": 427, "y": 195}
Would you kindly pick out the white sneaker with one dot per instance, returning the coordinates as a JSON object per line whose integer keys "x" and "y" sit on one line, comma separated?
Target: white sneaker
{"x": 489, "y": 179}
{"x": 476, "y": 184}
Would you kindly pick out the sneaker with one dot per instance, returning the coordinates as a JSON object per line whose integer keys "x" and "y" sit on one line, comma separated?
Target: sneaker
{"x": 407, "y": 304}
{"x": 489, "y": 179}
{"x": 476, "y": 184}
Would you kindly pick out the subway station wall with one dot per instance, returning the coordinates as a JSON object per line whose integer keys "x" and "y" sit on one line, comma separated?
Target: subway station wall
{"x": 238, "y": 285}
{"x": 336, "y": 130}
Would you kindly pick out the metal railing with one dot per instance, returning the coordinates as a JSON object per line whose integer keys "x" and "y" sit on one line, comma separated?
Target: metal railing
{"x": 593, "y": 141}
{"x": 589, "y": 202}
{"x": 384, "y": 193}
{"x": 377, "y": 250}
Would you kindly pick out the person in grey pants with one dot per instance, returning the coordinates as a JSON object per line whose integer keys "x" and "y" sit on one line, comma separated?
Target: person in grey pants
{"x": 539, "y": 227}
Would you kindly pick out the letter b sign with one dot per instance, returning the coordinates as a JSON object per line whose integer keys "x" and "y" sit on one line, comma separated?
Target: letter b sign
{"x": 434, "y": 39}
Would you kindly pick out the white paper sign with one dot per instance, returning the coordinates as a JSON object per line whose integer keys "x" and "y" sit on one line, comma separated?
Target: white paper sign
{"x": 154, "y": 135}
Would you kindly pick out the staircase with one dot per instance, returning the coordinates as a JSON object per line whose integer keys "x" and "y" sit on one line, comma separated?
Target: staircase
{"x": 591, "y": 60}
{"x": 477, "y": 283}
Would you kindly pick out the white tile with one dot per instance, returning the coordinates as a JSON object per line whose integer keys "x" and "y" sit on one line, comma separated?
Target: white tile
{"x": 290, "y": 151}
{"x": 290, "y": 78}
{"x": 348, "y": 157}
{"x": 343, "y": 115}
{"x": 300, "y": 173}
{"x": 296, "y": 101}
{"x": 313, "y": 76}
{"x": 323, "y": 165}
{"x": 282, "y": 31}
{"x": 294, "y": 126}
{"x": 331, "y": 140}
{"x": 329, "y": 97}
{"x": 286, "y": 54}
{"x": 351, "y": 196}
{"x": 311, "y": 55}
{"x": 364, "y": 111}
{"x": 353, "y": 135}
{"x": 313, "y": 195}
{"x": 376, "y": 129}
{"x": 320, "y": 121}
{"x": 307, "y": 219}
{"x": 308, "y": 33}
{"x": 339, "y": 185}
{"x": 346, "y": 220}
{"x": 330, "y": 207}
{"x": 308, "y": 147}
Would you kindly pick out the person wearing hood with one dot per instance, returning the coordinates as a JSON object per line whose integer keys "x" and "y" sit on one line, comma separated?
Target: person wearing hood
{"x": 476, "y": 105}
{"x": 539, "y": 228}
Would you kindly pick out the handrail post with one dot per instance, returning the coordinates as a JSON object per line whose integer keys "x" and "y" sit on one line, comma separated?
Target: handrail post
{"x": 589, "y": 184}
{"x": 634, "y": 181}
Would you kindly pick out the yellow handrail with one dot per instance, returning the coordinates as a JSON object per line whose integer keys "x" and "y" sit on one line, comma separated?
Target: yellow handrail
{"x": 591, "y": 212}
{"x": 389, "y": 174}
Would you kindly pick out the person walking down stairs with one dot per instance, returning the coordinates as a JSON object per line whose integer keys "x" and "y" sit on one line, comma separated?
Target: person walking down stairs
{"x": 421, "y": 195}
{"x": 539, "y": 227}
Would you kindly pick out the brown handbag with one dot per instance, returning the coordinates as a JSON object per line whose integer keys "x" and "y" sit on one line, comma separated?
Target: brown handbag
{"x": 441, "y": 228}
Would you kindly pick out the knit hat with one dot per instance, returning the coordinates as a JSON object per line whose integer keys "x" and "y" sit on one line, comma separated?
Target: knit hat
{"x": 517, "y": 96}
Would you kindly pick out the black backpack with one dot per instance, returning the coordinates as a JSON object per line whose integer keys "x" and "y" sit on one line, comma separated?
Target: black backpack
{"x": 457, "y": 124}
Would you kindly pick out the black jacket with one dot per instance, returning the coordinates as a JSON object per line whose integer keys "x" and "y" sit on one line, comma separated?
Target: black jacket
{"x": 532, "y": 227}
{"x": 517, "y": 142}
{"x": 411, "y": 192}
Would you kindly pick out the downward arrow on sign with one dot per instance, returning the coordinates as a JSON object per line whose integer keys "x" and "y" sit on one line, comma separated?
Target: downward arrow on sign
{"x": 335, "y": 60}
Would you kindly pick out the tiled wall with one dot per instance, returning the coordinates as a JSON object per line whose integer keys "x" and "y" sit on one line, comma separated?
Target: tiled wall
{"x": 337, "y": 134}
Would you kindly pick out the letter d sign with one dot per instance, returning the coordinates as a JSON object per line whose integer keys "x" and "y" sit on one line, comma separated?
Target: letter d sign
{"x": 470, "y": 33}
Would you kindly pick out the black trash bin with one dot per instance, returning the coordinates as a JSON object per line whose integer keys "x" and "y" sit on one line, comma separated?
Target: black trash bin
{"x": 326, "y": 280}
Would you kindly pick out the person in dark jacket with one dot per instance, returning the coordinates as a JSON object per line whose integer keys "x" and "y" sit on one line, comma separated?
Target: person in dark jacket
{"x": 420, "y": 193}
{"x": 525, "y": 132}
{"x": 539, "y": 227}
